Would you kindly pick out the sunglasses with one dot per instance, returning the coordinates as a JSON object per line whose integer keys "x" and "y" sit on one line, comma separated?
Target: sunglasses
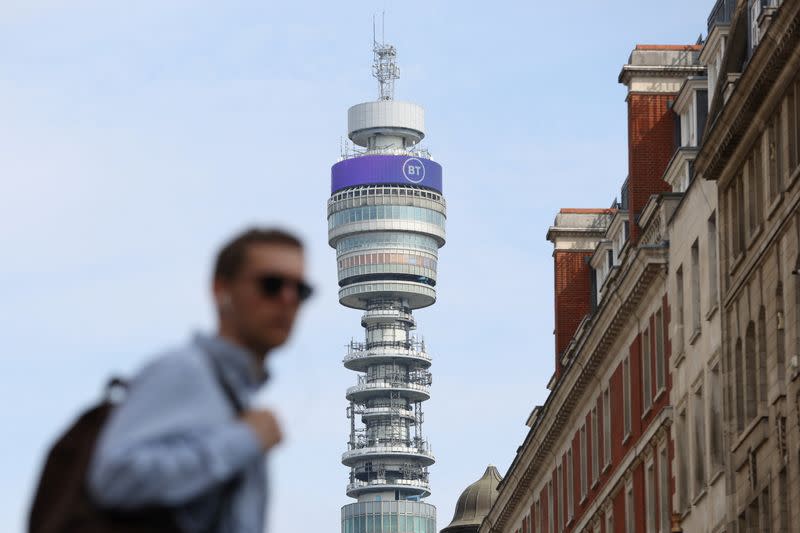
{"x": 271, "y": 286}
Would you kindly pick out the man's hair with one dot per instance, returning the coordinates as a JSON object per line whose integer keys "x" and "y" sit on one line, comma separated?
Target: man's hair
{"x": 231, "y": 257}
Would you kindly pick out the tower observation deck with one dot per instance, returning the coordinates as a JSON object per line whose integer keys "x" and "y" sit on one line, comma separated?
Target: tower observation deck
{"x": 386, "y": 220}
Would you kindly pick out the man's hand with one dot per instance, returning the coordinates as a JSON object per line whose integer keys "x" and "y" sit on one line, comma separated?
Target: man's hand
{"x": 265, "y": 426}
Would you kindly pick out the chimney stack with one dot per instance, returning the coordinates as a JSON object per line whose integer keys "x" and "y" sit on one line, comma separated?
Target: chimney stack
{"x": 653, "y": 75}
{"x": 575, "y": 234}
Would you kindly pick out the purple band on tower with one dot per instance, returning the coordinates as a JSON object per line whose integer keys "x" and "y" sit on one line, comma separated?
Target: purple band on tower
{"x": 378, "y": 169}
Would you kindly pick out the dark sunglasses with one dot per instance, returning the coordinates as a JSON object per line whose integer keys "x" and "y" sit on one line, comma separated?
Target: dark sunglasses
{"x": 271, "y": 286}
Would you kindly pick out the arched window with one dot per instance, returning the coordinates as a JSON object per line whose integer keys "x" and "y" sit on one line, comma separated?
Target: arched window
{"x": 751, "y": 373}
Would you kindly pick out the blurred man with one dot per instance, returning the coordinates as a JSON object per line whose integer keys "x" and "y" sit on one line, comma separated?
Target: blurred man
{"x": 185, "y": 438}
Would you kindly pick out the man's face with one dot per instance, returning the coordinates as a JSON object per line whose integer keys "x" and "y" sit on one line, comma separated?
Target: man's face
{"x": 257, "y": 318}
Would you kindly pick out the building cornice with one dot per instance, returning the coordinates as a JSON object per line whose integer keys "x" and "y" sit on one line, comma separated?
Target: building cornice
{"x": 658, "y": 71}
{"x": 643, "y": 268}
{"x": 775, "y": 55}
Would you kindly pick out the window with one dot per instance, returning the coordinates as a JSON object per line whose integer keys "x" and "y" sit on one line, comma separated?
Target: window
{"x": 715, "y": 418}
{"x": 793, "y": 126}
{"x": 660, "y": 361}
{"x": 630, "y": 509}
{"x": 626, "y": 396}
{"x": 780, "y": 328}
{"x": 751, "y": 373}
{"x": 537, "y": 516}
{"x": 650, "y": 497}
{"x": 550, "y": 510}
{"x": 764, "y": 503}
{"x": 754, "y": 189}
{"x": 570, "y": 486}
{"x": 647, "y": 392}
{"x": 713, "y": 290}
{"x": 584, "y": 466}
{"x": 679, "y": 310}
{"x": 682, "y": 457}
{"x": 695, "y": 288}
{"x": 699, "y": 432}
{"x": 558, "y": 484}
{"x": 665, "y": 510}
{"x": 606, "y": 427}
{"x": 754, "y": 10}
{"x": 783, "y": 504}
{"x": 595, "y": 447}
{"x": 738, "y": 386}
{"x": 774, "y": 162}
{"x": 738, "y": 218}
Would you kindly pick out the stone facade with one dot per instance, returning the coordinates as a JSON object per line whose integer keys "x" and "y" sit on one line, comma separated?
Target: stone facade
{"x": 752, "y": 154}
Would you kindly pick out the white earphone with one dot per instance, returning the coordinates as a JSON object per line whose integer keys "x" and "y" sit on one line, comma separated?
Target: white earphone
{"x": 225, "y": 300}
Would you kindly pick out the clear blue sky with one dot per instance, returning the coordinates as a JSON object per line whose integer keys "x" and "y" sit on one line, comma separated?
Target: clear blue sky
{"x": 136, "y": 136}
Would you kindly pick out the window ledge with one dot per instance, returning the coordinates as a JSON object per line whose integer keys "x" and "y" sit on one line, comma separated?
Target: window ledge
{"x": 792, "y": 178}
{"x": 693, "y": 337}
{"x": 737, "y": 261}
{"x": 716, "y": 475}
{"x": 753, "y": 237}
{"x": 699, "y": 496}
{"x": 626, "y": 438}
{"x": 679, "y": 358}
{"x": 659, "y": 393}
{"x": 646, "y": 411}
{"x": 685, "y": 512}
{"x": 711, "y": 312}
{"x": 748, "y": 429}
{"x": 773, "y": 207}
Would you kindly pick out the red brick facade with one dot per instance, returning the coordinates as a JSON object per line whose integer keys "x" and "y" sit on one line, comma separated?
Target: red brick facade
{"x": 651, "y": 143}
{"x": 573, "y": 290}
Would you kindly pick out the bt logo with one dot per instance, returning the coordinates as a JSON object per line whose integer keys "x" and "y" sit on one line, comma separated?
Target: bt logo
{"x": 414, "y": 170}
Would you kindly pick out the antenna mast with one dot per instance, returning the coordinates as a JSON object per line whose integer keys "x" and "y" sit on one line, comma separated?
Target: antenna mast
{"x": 384, "y": 66}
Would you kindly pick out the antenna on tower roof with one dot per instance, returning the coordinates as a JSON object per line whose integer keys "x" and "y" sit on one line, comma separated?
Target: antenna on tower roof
{"x": 384, "y": 66}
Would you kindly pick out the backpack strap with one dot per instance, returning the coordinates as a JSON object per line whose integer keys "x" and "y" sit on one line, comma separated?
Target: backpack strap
{"x": 230, "y": 394}
{"x": 230, "y": 487}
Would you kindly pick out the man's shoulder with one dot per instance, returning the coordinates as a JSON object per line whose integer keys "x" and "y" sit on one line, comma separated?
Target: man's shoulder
{"x": 186, "y": 363}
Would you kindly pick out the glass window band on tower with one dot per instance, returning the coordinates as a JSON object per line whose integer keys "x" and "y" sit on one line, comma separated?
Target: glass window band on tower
{"x": 383, "y": 212}
{"x": 389, "y": 517}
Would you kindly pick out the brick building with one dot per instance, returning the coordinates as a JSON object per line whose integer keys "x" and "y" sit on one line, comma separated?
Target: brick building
{"x": 598, "y": 456}
{"x": 675, "y": 398}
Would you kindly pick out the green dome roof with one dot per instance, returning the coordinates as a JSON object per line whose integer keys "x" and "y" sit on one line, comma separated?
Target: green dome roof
{"x": 474, "y": 503}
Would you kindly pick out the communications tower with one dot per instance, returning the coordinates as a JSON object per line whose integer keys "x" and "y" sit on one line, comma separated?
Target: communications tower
{"x": 386, "y": 220}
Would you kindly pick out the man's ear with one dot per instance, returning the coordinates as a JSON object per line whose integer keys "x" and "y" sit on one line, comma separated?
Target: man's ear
{"x": 222, "y": 295}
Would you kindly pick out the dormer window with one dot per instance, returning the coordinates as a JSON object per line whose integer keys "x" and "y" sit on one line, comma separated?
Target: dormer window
{"x": 755, "y": 12}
